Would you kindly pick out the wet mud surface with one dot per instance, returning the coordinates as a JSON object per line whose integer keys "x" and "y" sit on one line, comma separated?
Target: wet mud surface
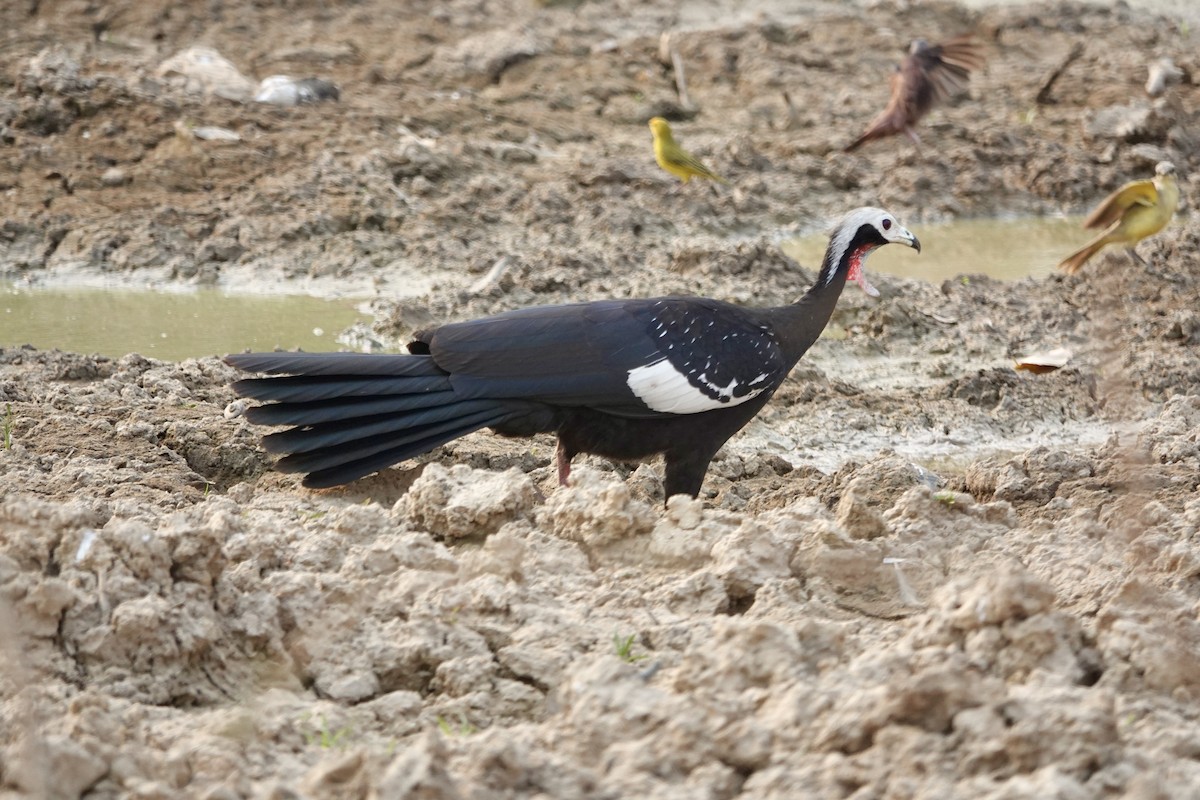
{"x": 918, "y": 573}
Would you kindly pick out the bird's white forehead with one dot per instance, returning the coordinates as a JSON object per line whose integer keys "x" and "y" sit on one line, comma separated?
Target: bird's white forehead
{"x": 860, "y": 216}
{"x": 853, "y": 221}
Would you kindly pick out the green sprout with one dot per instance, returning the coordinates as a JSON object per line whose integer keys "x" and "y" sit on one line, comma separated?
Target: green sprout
{"x": 624, "y": 646}
{"x": 463, "y": 728}
{"x": 325, "y": 738}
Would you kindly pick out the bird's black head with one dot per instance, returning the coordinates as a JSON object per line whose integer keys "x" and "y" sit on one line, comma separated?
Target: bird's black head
{"x": 860, "y": 232}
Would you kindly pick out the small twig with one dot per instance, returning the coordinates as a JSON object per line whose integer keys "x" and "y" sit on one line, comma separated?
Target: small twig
{"x": 793, "y": 120}
{"x": 1043, "y": 95}
{"x": 492, "y": 277}
{"x": 669, "y": 54}
{"x": 664, "y": 49}
{"x": 680, "y": 79}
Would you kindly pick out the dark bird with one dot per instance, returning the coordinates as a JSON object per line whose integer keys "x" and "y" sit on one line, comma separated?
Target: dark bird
{"x": 928, "y": 74}
{"x": 624, "y": 379}
{"x": 1136, "y": 210}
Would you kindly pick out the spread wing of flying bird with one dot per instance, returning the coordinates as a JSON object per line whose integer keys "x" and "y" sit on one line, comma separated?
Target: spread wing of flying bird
{"x": 929, "y": 73}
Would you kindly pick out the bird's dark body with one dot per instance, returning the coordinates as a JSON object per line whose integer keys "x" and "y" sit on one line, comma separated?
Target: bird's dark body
{"x": 624, "y": 379}
{"x": 687, "y": 447}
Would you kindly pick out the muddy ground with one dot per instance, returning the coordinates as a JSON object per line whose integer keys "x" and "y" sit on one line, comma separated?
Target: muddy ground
{"x": 920, "y": 572}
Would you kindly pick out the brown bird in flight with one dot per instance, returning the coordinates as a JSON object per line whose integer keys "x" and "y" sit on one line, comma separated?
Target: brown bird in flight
{"x": 1136, "y": 210}
{"x": 928, "y": 74}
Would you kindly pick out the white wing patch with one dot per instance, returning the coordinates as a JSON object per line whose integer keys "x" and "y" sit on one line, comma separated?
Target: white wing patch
{"x": 665, "y": 389}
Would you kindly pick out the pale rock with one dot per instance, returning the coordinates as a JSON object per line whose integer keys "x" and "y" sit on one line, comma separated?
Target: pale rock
{"x": 52, "y": 767}
{"x": 202, "y": 70}
{"x": 1000, "y": 595}
{"x": 861, "y": 518}
{"x": 748, "y": 558}
{"x": 462, "y": 502}
{"x": 352, "y": 688}
{"x": 418, "y": 772}
{"x": 487, "y": 54}
{"x": 1152, "y": 638}
{"x": 1038, "y": 716}
{"x": 113, "y": 177}
{"x": 685, "y": 535}
{"x": 1050, "y": 783}
{"x": 1163, "y": 73}
{"x": 337, "y": 775}
{"x": 743, "y": 654}
{"x": 361, "y": 521}
{"x": 597, "y": 509}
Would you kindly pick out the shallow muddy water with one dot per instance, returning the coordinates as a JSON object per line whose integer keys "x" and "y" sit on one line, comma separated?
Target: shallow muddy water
{"x": 1007, "y": 249}
{"x": 187, "y": 324}
{"x": 168, "y": 325}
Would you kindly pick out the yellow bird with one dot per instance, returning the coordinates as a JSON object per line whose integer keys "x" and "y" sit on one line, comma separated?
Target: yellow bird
{"x": 1136, "y": 210}
{"x": 674, "y": 159}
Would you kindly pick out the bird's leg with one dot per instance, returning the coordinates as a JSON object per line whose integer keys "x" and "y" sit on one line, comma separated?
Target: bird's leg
{"x": 563, "y": 459}
{"x": 1133, "y": 253}
{"x": 685, "y": 473}
{"x": 1150, "y": 270}
{"x": 912, "y": 134}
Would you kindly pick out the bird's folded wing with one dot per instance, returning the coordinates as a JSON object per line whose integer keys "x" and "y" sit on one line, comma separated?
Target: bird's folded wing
{"x": 1114, "y": 206}
{"x": 585, "y": 354}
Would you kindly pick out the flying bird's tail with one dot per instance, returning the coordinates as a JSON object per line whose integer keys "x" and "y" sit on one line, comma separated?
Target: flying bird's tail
{"x": 871, "y": 133}
{"x": 354, "y": 414}
{"x": 881, "y": 127}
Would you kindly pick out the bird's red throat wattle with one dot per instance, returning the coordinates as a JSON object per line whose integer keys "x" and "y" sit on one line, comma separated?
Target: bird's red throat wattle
{"x": 857, "y": 274}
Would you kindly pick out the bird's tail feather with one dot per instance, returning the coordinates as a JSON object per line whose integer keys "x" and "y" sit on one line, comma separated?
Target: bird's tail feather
{"x": 871, "y": 134}
{"x": 355, "y": 414}
{"x": 316, "y": 436}
{"x": 339, "y": 364}
{"x": 335, "y": 409}
{"x": 341, "y": 463}
{"x": 301, "y": 388}
{"x": 1074, "y": 262}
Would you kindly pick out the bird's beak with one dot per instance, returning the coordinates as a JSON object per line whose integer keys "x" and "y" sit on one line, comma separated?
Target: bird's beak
{"x": 901, "y": 235}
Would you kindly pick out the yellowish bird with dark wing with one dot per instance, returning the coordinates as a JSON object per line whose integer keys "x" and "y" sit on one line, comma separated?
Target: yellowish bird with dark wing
{"x": 674, "y": 159}
{"x": 1135, "y": 211}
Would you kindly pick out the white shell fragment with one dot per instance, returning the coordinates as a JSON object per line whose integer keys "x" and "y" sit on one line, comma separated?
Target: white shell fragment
{"x": 1045, "y": 361}
{"x": 214, "y": 134}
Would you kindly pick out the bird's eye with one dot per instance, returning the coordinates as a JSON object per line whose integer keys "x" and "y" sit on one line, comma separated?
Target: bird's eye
{"x": 887, "y": 224}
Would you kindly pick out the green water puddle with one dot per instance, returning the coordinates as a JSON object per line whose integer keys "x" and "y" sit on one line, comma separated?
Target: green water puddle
{"x": 1006, "y": 249}
{"x": 169, "y": 325}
